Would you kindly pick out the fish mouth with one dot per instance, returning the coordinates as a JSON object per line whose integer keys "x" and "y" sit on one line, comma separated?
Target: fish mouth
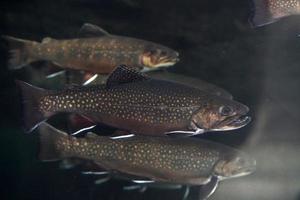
{"x": 166, "y": 61}
{"x": 232, "y": 123}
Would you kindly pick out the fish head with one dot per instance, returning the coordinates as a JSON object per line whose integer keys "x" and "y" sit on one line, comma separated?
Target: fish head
{"x": 157, "y": 56}
{"x": 235, "y": 165}
{"x": 220, "y": 114}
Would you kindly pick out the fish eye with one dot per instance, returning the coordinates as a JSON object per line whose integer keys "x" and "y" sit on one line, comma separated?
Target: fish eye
{"x": 225, "y": 110}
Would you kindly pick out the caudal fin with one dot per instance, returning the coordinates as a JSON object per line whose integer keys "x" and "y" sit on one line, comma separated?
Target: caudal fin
{"x": 18, "y": 50}
{"x": 30, "y": 95}
{"x": 261, "y": 14}
{"x": 49, "y": 136}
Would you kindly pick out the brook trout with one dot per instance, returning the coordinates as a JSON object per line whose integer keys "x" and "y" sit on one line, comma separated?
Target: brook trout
{"x": 138, "y": 104}
{"x": 162, "y": 159}
{"x": 96, "y": 51}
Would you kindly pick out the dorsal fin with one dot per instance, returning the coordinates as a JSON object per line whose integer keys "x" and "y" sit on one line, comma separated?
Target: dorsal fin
{"x": 123, "y": 74}
{"x": 90, "y": 30}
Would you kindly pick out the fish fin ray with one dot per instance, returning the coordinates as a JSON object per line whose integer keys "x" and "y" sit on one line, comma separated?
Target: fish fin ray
{"x": 123, "y": 74}
{"x": 91, "y": 78}
{"x": 91, "y": 30}
{"x": 80, "y": 124}
{"x": 208, "y": 189}
{"x": 48, "y": 137}
{"x": 261, "y": 14}
{"x": 55, "y": 74}
{"x": 30, "y": 96}
{"x": 18, "y": 56}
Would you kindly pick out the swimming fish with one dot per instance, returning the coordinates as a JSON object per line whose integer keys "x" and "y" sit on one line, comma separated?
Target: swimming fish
{"x": 138, "y": 104}
{"x": 269, "y": 11}
{"x": 190, "y": 161}
{"x": 96, "y": 51}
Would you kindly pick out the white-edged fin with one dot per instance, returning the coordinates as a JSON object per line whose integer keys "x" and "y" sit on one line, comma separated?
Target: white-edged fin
{"x": 143, "y": 181}
{"x": 94, "y": 173}
{"x": 122, "y": 136}
{"x": 207, "y": 190}
{"x": 91, "y": 30}
{"x": 185, "y": 133}
{"x": 59, "y": 73}
{"x": 186, "y": 192}
{"x": 82, "y": 130}
{"x": 90, "y": 79}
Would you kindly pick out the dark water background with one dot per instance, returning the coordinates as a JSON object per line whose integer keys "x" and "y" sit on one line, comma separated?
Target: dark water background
{"x": 260, "y": 67}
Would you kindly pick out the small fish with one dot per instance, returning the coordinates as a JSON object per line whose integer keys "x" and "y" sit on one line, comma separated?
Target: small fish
{"x": 269, "y": 11}
{"x": 138, "y": 104}
{"x": 96, "y": 51}
{"x": 189, "y": 161}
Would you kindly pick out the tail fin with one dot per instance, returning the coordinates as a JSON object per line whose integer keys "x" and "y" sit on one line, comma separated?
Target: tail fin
{"x": 18, "y": 52}
{"x": 261, "y": 15}
{"x": 48, "y": 139}
{"x": 31, "y": 96}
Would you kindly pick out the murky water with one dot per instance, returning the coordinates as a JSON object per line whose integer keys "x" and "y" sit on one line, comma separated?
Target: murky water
{"x": 259, "y": 67}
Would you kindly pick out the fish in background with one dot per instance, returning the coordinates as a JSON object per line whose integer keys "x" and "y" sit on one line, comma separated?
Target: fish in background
{"x": 94, "y": 51}
{"x": 269, "y": 11}
{"x": 135, "y": 103}
{"x": 187, "y": 161}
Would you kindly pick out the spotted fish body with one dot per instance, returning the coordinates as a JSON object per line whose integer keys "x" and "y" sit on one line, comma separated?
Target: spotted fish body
{"x": 99, "y": 52}
{"x": 129, "y": 101}
{"x": 175, "y": 160}
{"x": 98, "y": 55}
{"x": 269, "y": 11}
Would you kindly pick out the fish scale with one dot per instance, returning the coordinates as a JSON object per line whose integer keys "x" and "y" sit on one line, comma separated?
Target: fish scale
{"x": 148, "y": 102}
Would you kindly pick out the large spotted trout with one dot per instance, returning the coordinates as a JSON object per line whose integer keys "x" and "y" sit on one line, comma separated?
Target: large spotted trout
{"x": 133, "y": 102}
{"x": 187, "y": 161}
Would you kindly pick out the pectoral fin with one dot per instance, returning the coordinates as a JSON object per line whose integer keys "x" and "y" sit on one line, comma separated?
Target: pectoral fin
{"x": 207, "y": 190}
{"x": 89, "y": 78}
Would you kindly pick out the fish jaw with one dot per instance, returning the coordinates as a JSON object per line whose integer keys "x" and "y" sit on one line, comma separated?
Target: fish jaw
{"x": 155, "y": 61}
{"x": 232, "y": 123}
